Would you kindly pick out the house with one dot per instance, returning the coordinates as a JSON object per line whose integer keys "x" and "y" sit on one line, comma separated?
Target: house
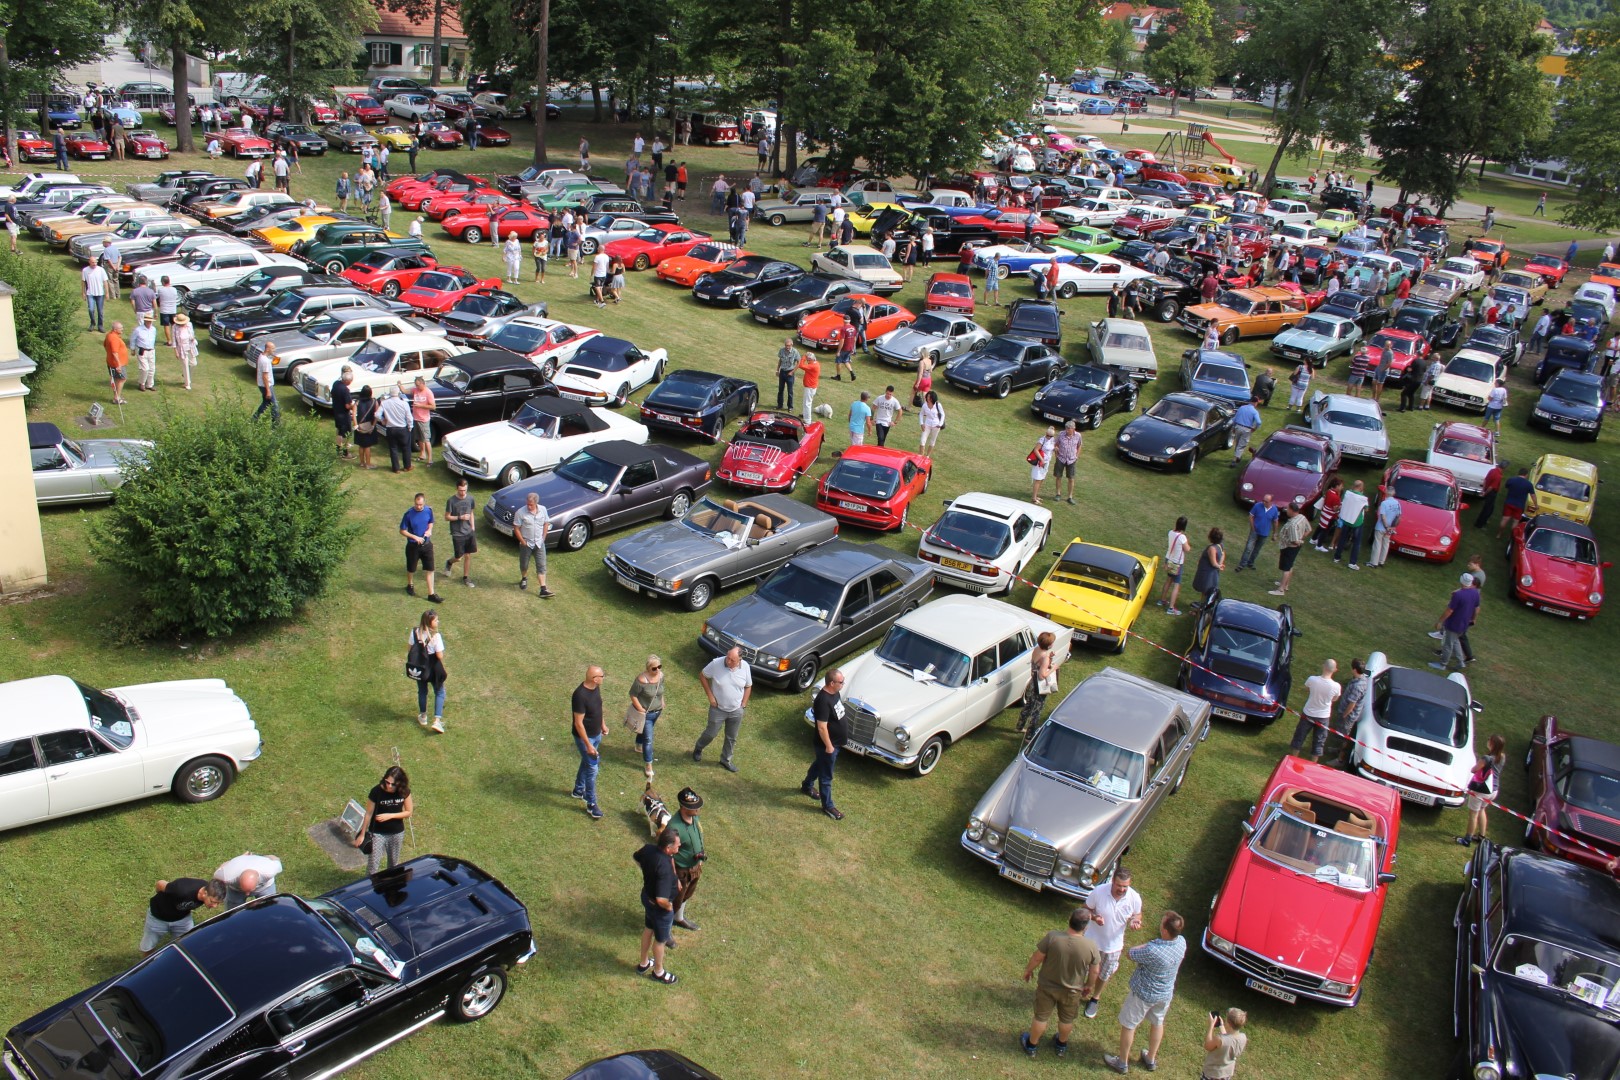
{"x": 402, "y": 45}
{"x": 1141, "y": 19}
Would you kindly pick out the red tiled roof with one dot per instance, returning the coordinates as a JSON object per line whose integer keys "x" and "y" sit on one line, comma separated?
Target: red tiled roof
{"x": 1125, "y": 12}
{"x": 398, "y": 24}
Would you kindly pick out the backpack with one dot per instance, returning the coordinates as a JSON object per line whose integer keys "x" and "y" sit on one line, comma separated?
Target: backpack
{"x": 417, "y": 666}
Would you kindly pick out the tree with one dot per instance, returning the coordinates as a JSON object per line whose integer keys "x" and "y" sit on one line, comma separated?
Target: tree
{"x": 1181, "y": 50}
{"x": 47, "y": 308}
{"x": 230, "y": 522}
{"x": 1118, "y": 45}
{"x": 40, "y": 41}
{"x": 177, "y": 27}
{"x": 302, "y": 48}
{"x": 422, "y": 11}
{"x": 1585, "y": 134}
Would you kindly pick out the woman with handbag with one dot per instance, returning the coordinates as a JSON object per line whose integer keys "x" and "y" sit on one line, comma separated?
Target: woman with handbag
{"x": 1482, "y": 787}
{"x": 382, "y": 832}
{"x": 1043, "y": 680}
{"x": 425, "y": 664}
{"x": 1040, "y": 459}
{"x": 646, "y": 706}
{"x": 932, "y": 418}
{"x": 365, "y": 426}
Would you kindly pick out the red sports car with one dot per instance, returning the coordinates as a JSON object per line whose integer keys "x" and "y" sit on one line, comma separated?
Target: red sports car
{"x": 363, "y": 109}
{"x": 449, "y": 187}
{"x": 949, "y": 292}
{"x": 1009, "y": 224}
{"x": 1298, "y": 913}
{"x": 489, "y": 133}
{"x": 821, "y": 329}
{"x": 400, "y": 186}
{"x": 390, "y": 271}
{"x": 873, "y": 486}
{"x": 1575, "y": 788}
{"x": 476, "y": 223}
{"x": 240, "y": 142}
{"x": 684, "y": 270}
{"x": 654, "y": 244}
{"x": 438, "y": 135}
{"x": 1314, "y": 298}
{"x": 1431, "y": 506}
{"x": 476, "y": 201}
{"x": 436, "y": 290}
{"x": 1292, "y": 463}
{"x": 146, "y": 144}
{"x": 30, "y": 147}
{"x": 86, "y": 147}
{"x": 1318, "y": 263}
{"x": 1406, "y": 345}
{"x": 1489, "y": 254}
{"x": 322, "y": 113}
{"x": 262, "y": 114}
{"x": 1556, "y": 567}
{"x": 1550, "y": 267}
{"x": 1422, "y": 216}
{"x": 771, "y": 451}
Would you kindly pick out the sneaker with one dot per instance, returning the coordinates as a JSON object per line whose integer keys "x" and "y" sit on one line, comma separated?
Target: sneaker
{"x": 524, "y": 583}
{"x": 806, "y": 789}
{"x": 410, "y": 590}
{"x": 1438, "y": 635}
{"x": 1172, "y": 611}
{"x": 1150, "y": 1066}
{"x": 1061, "y": 1049}
{"x": 1023, "y": 1040}
{"x": 435, "y": 598}
{"x": 697, "y": 755}
{"x": 468, "y": 582}
{"x": 1437, "y": 665}
{"x": 595, "y": 812}
{"x": 729, "y": 766}
{"x": 1071, "y": 503}
{"x": 1239, "y": 569}
{"x": 1354, "y": 566}
{"x": 1463, "y": 841}
{"x": 833, "y": 812}
{"x": 1158, "y": 603}
{"x": 437, "y": 725}
{"x": 545, "y": 593}
{"x": 1276, "y": 592}
{"x": 1117, "y": 1065}
{"x": 576, "y": 794}
{"x": 1093, "y": 1007}
{"x": 448, "y": 563}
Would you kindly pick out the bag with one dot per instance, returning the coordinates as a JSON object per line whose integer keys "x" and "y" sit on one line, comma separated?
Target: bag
{"x": 635, "y": 721}
{"x": 366, "y": 843}
{"x": 1048, "y": 685}
{"x": 417, "y": 666}
{"x": 365, "y": 427}
{"x": 1036, "y": 457}
{"x": 917, "y": 400}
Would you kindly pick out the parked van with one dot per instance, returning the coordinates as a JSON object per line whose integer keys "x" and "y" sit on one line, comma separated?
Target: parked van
{"x": 231, "y": 87}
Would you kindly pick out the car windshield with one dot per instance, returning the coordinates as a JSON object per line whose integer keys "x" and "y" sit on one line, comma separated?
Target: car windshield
{"x": 1563, "y": 487}
{"x": 708, "y": 253}
{"x": 536, "y": 421}
{"x": 1577, "y": 390}
{"x": 1312, "y": 252}
{"x": 803, "y": 592}
{"x": 374, "y": 358}
{"x": 1240, "y": 654}
{"x": 1431, "y": 493}
{"x": 1557, "y": 544}
{"x": 436, "y": 282}
{"x": 1179, "y": 413}
{"x": 1232, "y": 301}
{"x": 872, "y": 479}
{"x": 1224, "y": 374}
{"x": 1337, "y": 858}
{"x": 157, "y": 1011}
{"x": 1439, "y": 281}
{"x": 931, "y": 324}
{"x": 923, "y": 658}
{"x": 1463, "y": 448}
{"x": 588, "y": 471}
{"x": 685, "y": 393}
{"x": 1589, "y": 789}
{"x": 1125, "y": 339}
{"x": 1292, "y": 455}
{"x": 482, "y": 306}
{"x": 196, "y": 260}
{"x": 1466, "y": 367}
{"x": 1489, "y": 337}
{"x": 1312, "y": 325}
{"x": 709, "y": 518}
{"x": 1109, "y": 769}
{"x": 1085, "y": 375}
{"x": 1420, "y": 717}
{"x": 959, "y": 531}
{"x": 108, "y": 716}
{"x": 1561, "y": 968}
{"x": 320, "y": 328}
{"x": 368, "y": 951}
{"x": 519, "y": 338}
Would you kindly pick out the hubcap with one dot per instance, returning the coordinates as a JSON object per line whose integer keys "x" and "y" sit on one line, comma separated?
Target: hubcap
{"x": 481, "y": 995}
{"x": 205, "y": 782}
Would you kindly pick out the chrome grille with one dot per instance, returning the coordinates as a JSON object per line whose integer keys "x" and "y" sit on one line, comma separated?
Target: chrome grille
{"x": 1276, "y": 974}
{"x": 1024, "y": 852}
{"x": 308, "y": 384}
{"x": 460, "y": 459}
{"x": 1601, "y": 828}
{"x": 727, "y": 643}
{"x": 625, "y": 569}
{"x": 862, "y": 724}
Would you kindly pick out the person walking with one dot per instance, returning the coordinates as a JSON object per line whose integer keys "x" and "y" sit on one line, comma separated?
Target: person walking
{"x": 1385, "y": 518}
{"x": 1516, "y": 493}
{"x": 1483, "y": 784}
{"x": 265, "y": 376}
{"x": 93, "y": 281}
{"x": 885, "y": 411}
{"x": 646, "y": 706}
{"x": 1352, "y": 515}
{"x": 144, "y": 342}
{"x": 845, "y": 357}
{"x": 1454, "y": 623}
{"x": 168, "y": 912}
{"x": 248, "y": 877}
{"x": 512, "y": 252}
{"x": 416, "y": 526}
{"x": 992, "y": 280}
{"x": 1066, "y": 455}
{"x": 531, "y": 527}
{"x": 539, "y": 251}
{"x": 860, "y": 418}
{"x": 691, "y": 855}
{"x": 1262, "y": 521}
{"x": 660, "y": 888}
{"x": 1111, "y": 912}
{"x": 185, "y": 346}
{"x": 427, "y": 658}
{"x": 1040, "y": 460}
{"x": 818, "y": 226}
{"x": 1043, "y": 681}
{"x": 1244, "y": 423}
{"x": 830, "y": 729}
{"x": 394, "y": 413}
{"x": 460, "y": 512}
{"x": 1224, "y": 1041}
{"x": 729, "y": 683}
{"x": 59, "y": 142}
{"x": 422, "y": 408}
{"x": 811, "y": 366}
{"x": 787, "y": 366}
{"x": 932, "y": 418}
{"x": 389, "y": 805}
{"x": 1068, "y": 962}
{"x": 1495, "y": 402}
{"x": 1153, "y": 987}
{"x": 680, "y": 181}
{"x": 589, "y": 731}
{"x": 1175, "y": 558}
{"x": 344, "y": 189}
{"x": 117, "y": 353}
{"x": 1211, "y": 561}
{"x": 1316, "y": 717}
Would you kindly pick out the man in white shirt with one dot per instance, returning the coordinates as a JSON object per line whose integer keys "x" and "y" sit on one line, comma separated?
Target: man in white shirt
{"x": 281, "y": 169}
{"x": 1114, "y": 909}
{"x": 168, "y": 306}
{"x": 143, "y": 342}
{"x": 1322, "y": 691}
{"x": 94, "y": 278}
{"x": 885, "y": 410}
{"x": 248, "y": 877}
{"x": 729, "y": 682}
{"x": 530, "y": 528}
{"x": 599, "y": 277}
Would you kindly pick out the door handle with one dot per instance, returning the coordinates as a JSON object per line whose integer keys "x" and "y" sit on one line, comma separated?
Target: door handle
{"x": 297, "y": 1046}
{"x": 57, "y": 775}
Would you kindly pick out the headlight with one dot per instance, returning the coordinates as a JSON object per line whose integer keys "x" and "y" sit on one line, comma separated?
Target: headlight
{"x": 1527, "y": 581}
{"x": 992, "y": 838}
{"x": 1124, "y": 436}
{"x": 1248, "y": 487}
{"x": 1067, "y": 869}
{"x": 709, "y": 633}
{"x": 1040, "y": 393}
{"x": 1445, "y": 541}
{"x": 1088, "y": 874}
{"x": 902, "y": 737}
{"x": 767, "y": 659}
{"x": 1594, "y": 598}
{"x": 1544, "y": 414}
{"x": 1487, "y": 1070}
{"x": 975, "y": 830}
{"x": 1219, "y": 944}
{"x": 667, "y": 583}
{"x": 483, "y": 465}
{"x": 1338, "y": 989}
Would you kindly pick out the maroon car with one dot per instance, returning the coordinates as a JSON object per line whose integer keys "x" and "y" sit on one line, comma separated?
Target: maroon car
{"x": 1575, "y": 788}
{"x": 1292, "y": 463}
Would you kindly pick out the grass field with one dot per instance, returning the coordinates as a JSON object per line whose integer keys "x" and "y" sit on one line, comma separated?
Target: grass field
{"x": 874, "y": 947}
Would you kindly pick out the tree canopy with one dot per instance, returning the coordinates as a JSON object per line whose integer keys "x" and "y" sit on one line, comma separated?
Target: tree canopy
{"x": 1586, "y": 135}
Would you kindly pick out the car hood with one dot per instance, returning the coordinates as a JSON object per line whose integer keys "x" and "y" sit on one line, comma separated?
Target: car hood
{"x": 1562, "y": 578}
{"x": 980, "y": 368}
{"x": 172, "y": 711}
{"x": 1565, "y": 407}
{"x": 782, "y": 304}
{"x": 1553, "y": 1035}
{"x": 664, "y": 550}
{"x": 908, "y": 341}
{"x": 113, "y": 452}
{"x": 1424, "y": 525}
{"x": 1293, "y": 919}
{"x": 1278, "y": 481}
{"x": 765, "y": 626}
{"x": 558, "y": 495}
{"x": 1061, "y": 811}
{"x": 1303, "y": 339}
{"x": 890, "y": 693}
{"x": 1068, "y": 395}
{"x": 1354, "y": 437}
{"x": 1150, "y": 435}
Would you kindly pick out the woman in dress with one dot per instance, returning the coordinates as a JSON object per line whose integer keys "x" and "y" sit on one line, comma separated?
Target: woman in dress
{"x": 512, "y": 251}
{"x": 1207, "y": 581}
{"x": 185, "y": 346}
{"x": 365, "y": 425}
{"x": 646, "y": 706}
{"x": 388, "y": 807}
{"x": 1040, "y": 460}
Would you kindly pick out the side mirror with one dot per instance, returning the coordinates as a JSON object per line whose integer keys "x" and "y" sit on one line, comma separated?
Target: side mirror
{"x": 1247, "y": 826}
{"x": 1476, "y": 706}
{"x": 1386, "y": 879}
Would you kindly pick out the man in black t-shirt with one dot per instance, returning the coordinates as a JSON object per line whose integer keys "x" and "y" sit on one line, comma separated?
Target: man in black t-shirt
{"x": 168, "y": 913}
{"x": 827, "y": 710}
{"x": 659, "y": 888}
{"x": 588, "y": 733}
{"x": 343, "y": 409}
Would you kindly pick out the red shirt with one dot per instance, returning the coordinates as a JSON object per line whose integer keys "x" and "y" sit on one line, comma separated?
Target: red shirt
{"x": 1403, "y": 288}
{"x": 846, "y": 339}
{"x": 117, "y": 351}
{"x": 680, "y": 174}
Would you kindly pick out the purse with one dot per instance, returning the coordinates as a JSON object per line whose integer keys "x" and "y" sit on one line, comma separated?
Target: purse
{"x": 416, "y": 661}
{"x": 1036, "y": 457}
{"x": 366, "y": 843}
{"x": 917, "y": 400}
{"x": 1048, "y": 684}
{"x": 635, "y": 721}
{"x": 365, "y": 427}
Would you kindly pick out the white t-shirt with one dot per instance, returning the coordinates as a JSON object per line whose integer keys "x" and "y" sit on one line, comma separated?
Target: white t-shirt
{"x": 599, "y": 264}
{"x": 884, "y": 410}
{"x": 1109, "y": 935}
{"x": 268, "y": 866}
{"x": 1497, "y": 398}
{"x": 1353, "y": 505}
{"x": 434, "y": 645}
{"x": 95, "y": 280}
{"x": 1323, "y": 693}
{"x": 1177, "y": 547}
{"x": 727, "y": 684}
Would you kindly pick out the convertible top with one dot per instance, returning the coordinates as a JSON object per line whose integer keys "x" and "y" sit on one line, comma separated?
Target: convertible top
{"x": 1540, "y": 521}
{"x": 1126, "y": 566}
{"x": 42, "y": 435}
{"x": 569, "y": 408}
{"x": 1409, "y": 682}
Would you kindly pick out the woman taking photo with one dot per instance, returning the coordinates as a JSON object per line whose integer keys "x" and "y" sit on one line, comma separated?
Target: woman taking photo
{"x": 388, "y": 807}
{"x": 646, "y": 705}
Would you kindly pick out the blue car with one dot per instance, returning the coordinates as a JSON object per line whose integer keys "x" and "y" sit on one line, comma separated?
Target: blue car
{"x": 1022, "y": 258}
{"x": 1571, "y": 404}
{"x": 1097, "y": 107}
{"x": 1218, "y": 374}
{"x": 1241, "y": 659}
{"x": 130, "y": 118}
{"x": 1086, "y": 86}
{"x": 698, "y": 402}
{"x": 1567, "y": 352}
{"x": 62, "y": 114}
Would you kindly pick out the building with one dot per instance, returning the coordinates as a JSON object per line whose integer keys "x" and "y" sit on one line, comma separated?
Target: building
{"x": 401, "y": 45}
{"x": 1141, "y": 19}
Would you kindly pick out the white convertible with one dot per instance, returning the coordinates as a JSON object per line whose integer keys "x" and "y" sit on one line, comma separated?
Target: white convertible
{"x": 982, "y": 542}
{"x": 942, "y": 670}
{"x": 66, "y": 747}
{"x": 1095, "y": 274}
{"x": 539, "y": 438}
{"x": 1416, "y": 733}
{"x": 608, "y": 370}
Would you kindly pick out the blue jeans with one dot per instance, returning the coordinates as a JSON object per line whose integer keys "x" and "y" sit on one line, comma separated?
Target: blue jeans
{"x": 422, "y": 696}
{"x": 96, "y": 307}
{"x": 1251, "y": 550}
{"x": 645, "y": 739}
{"x": 585, "y": 778}
{"x": 820, "y": 774}
{"x": 270, "y": 403}
{"x": 1349, "y": 537}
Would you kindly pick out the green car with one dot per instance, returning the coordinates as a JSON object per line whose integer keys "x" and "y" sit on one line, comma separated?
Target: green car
{"x": 575, "y": 194}
{"x": 1336, "y": 222}
{"x": 1284, "y": 188}
{"x": 1317, "y": 338}
{"x": 1086, "y": 240}
{"x": 336, "y": 246}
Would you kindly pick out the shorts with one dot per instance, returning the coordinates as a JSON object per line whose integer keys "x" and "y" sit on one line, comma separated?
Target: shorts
{"x": 1172, "y": 571}
{"x": 418, "y": 553}
{"x": 1286, "y": 557}
{"x": 573, "y": 253}
{"x": 1060, "y": 469}
{"x": 157, "y": 929}
{"x": 844, "y": 358}
{"x": 166, "y": 319}
{"x": 463, "y": 544}
{"x": 659, "y": 921}
{"x": 1512, "y": 513}
{"x": 1492, "y": 414}
{"x": 1065, "y": 1002}
{"x": 1110, "y": 964}
{"x": 117, "y": 374}
{"x": 342, "y": 421}
{"x": 857, "y": 438}
{"x": 599, "y": 282}
{"x": 423, "y": 429}
{"x": 1135, "y": 1010}
{"x": 1356, "y": 380}
{"x": 1476, "y": 802}
{"x": 537, "y": 554}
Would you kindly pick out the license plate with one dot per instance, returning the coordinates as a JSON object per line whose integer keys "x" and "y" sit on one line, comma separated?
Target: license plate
{"x": 852, "y": 505}
{"x": 1137, "y": 457}
{"x": 1563, "y": 430}
{"x": 957, "y": 564}
{"x": 1271, "y": 991}
{"x": 1421, "y": 798}
{"x": 627, "y": 583}
{"x": 154, "y": 153}
{"x": 1055, "y": 417}
{"x": 1230, "y": 714}
{"x": 1554, "y": 611}
{"x": 1028, "y": 881}
{"x": 1079, "y": 635}
{"x": 762, "y": 319}
{"x": 754, "y": 476}
{"x": 854, "y": 748}
{"x": 1413, "y": 551}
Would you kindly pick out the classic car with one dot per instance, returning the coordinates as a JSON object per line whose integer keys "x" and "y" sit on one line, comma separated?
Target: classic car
{"x": 1488, "y": 253}
{"x": 1217, "y": 374}
{"x": 744, "y": 279}
{"x": 547, "y": 344}
{"x": 1529, "y": 282}
{"x": 938, "y": 334}
{"x": 816, "y": 607}
{"x": 394, "y": 137}
{"x": 232, "y": 329}
{"x": 85, "y": 146}
{"x": 796, "y": 206}
{"x": 539, "y": 436}
{"x": 1035, "y": 320}
{"x": 607, "y": 370}
{"x": 79, "y": 470}
{"x": 1098, "y": 590}
{"x": 1571, "y": 403}
{"x": 1550, "y": 267}
{"x": 300, "y": 137}
{"x": 1564, "y": 486}
{"x": 348, "y": 136}
{"x": 1567, "y": 352}
{"x": 390, "y": 362}
{"x": 1416, "y": 733}
{"x": 1292, "y": 464}
{"x": 362, "y": 108}
{"x": 1017, "y": 258}
{"x": 1087, "y": 394}
{"x": 1177, "y": 430}
{"x": 164, "y": 186}
{"x": 476, "y": 224}
{"x": 262, "y": 110}
{"x": 1094, "y": 275}
{"x": 654, "y": 244}
{"x": 1361, "y": 308}
{"x": 1094, "y": 210}
{"x": 1299, "y": 909}
{"x": 256, "y": 289}
{"x": 706, "y": 258}
{"x": 58, "y": 232}
{"x": 1556, "y": 567}
{"x": 861, "y": 263}
{"x": 874, "y": 486}
{"x": 699, "y": 402}
{"x": 1355, "y": 424}
{"x": 821, "y": 329}
{"x": 1246, "y": 313}
{"x": 606, "y": 485}
{"x": 477, "y": 316}
{"x": 332, "y": 982}
{"x": 481, "y": 388}
{"x": 1467, "y": 451}
{"x": 332, "y": 336}
{"x": 941, "y": 672}
{"x": 389, "y": 271}
{"x": 498, "y": 105}
{"x": 235, "y": 202}
{"x": 1240, "y": 659}
{"x": 131, "y": 236}
{"x": 1002, "y": 364}
{"x": 288, "y": 233}
{"x": 1317, "y": 263}
{"x": 206, "y": 268}
{"x": 1336, "y": 222}
{"x": 1575, "y": 795}
{"x": 949, "y": 292}
{"x": 408, "y": 192}
{"x": 413, "y": 106}
{"x": 62, "y": 113}
{"x": 31, "y": 147}
{"x": 1064, "y": 811}
{"x": 479, "y": 202}
{"x": 1317, "y": 338}
{"x": 438, "y": 289}
{"x": 337, "y": 245}
{"x": 1466, "y": 380}
{"x": 717, "y": 544}
{"x": 1086, "y": 240}
{"x": 983, "y": 542}
{"x": 68, "y": 747}
{"x": 1405, "y": 346}
{"x": 240, "y": 143}
{"x": 1439, "y": 288}
{"x": 1512, "y": 302}
{"x": 1431, "y": 510}
{"x": 771, "y": 451}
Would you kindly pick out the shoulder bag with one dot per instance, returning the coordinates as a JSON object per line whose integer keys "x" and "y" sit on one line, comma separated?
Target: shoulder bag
{"x": 417, "y": 666}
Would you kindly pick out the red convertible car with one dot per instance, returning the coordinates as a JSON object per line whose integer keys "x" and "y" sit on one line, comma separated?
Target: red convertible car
{"x": 436, "y": 290}
{"x": 654, "y": 244}
{"x": 821, "y": 329}
{"x": 1298, "y": 912}
{"x": 422, "y": 198}
{"x": 1318, "y": 263}
{"x": 873, "y": 486}
{"x": 322, "y": 113}
{"x": 403, "y": 186}
{"x": 489, "y": 133}
{"x": 684, "y": 270}
{"x": 476, "y": 223}
{"x": 86, "y": 147}
{"x": 438, "y": 135}
{"x": 262, "y": 114}
{"x": 146, "y": 144}
{"x": 1406, "y": 345}
{"x": 1431, "y": 506}
{"x": 1009, "y": 224}
{"x": 1575, "y": 790}
{"x": 1550, "y": 267}
{"x": 1422, "y": 216}
{"x": 547, "y": 343}
{"x": 390, "y": 271}
{"x": 30, "y": 147}
{"x": 363, "y": 109}
{"x": 1292, "y": 463}
{"x": 477, "y": 201}
{"x": 771, "y": 451}
{"x": 1556, "y": 567}
{"x": 240, "y": 142}
{"x": 949, "y": 292}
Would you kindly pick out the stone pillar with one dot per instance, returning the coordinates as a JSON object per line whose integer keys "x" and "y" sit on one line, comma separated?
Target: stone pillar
{"x": 22, "y": 549}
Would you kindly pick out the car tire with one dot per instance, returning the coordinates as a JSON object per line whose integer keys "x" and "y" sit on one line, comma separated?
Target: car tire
{"x": 1003, "y": 387}
{"x": 391, "y": 290}
{"x": 1230, "y": 336}
{"x": 702, "y": 591}
{"x": 777, "y": 219}
{"x": 473, "y": 234}
{"x": 933, "y": 357}
{"x": 292, "y": 374}
{"x": 622, "y": 396}
{"x": 1124, "y": 637}
{"x": 928, "y": 757}
{"x": 514, "y": 473}
{"x": 1166, "y": 311}
{"x": 335, "y": 266}
{"x": 203, "y": 779}
{"x": 658, "y": 372}
{"x": 643, "y": 261}
{"x": 744, "y": 297}
{"x": 587, "y": 246}
{"x": 1179, "y": 778}
{"x": 804, "y": 675}
{"x": 427, "y": 204}
{"x": 479, "y": 995}
{"x": 1003, "y": 272}
{"x": 1192, "y": 460}
{"x": 680, "y": 504}
{"x": 1068, "y": 290}
{"x": 576, "y": 535}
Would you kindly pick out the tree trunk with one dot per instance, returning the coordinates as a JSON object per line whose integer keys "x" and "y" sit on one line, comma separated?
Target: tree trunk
{"x": 438, "y": 40}
{"x": 1290, "y": 126}
{"x": 293, "y": 106}
{"x": 542, "y": 81}
{"x": 183, "y": 143}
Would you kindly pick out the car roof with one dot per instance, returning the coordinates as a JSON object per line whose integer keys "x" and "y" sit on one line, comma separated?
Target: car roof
{"x": 1591, "y": 752}
{"x": 842, "y": 559}
{"x": 1463, "y": 429}
{"x": 996, "y": 506}
{"x": 1246, "y": 615}
{"x": 1424, "y": 471}
{"x": 620, "y": 452}
{"x": 1426, "y": 686}
{"x": 1566, "y": 466}
{"x": 971, "y": 623}
{"x": 487, "y": 360}
{"x": 24, "y": 701}
{"x": 41, "y": 435}
{"x": 1118, "y": 560}
{"x": 289, "y": 943}
{"x": 1556, "y": 900}
{"x": 1578, "y": 376}
{"x": 1114, "y": 707}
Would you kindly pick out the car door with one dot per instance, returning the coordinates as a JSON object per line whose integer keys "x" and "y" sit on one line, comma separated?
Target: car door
{"x": 517, "y": 387}
{"x": 82, "y": 772}
{"x": 856, "y": 615}
{"x": 640, "y": 495}
{"x": 319, "y": 1026}
{"x": 23, "y": 794}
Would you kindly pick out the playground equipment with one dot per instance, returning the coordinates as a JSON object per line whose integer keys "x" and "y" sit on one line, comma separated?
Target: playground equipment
{"x": 1190, "y": 146}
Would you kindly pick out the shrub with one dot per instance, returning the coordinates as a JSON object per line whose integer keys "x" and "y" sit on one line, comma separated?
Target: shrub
{"x": 230, "y": 522}
{"x": 47, "y": 307}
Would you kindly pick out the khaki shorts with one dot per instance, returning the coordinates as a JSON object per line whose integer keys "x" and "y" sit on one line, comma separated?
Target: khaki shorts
{"x": 1066, "y": 1002}
{"x": 1135, "y": 1010}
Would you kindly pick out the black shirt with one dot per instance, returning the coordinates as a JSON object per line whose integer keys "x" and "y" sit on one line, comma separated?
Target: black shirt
{"x": 342, "y": 396}
{"x": 670, "y": 172}
{"x": 657, "y": 874}
{"x": 177, "y": 899}
{"x": 386, "y": 802}
{"x": 828, "y": 708}
{"x": 589, "y": 703}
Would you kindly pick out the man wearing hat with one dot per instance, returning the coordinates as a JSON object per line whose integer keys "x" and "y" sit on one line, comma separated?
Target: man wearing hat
{"x": 144, "y": 342}
{"x": 343, "y": 409}
{"x": 689, "y": 859}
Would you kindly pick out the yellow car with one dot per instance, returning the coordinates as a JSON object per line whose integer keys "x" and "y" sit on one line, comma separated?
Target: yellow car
{"x": 1098, "y": 590}
{"x": 1337, "y": 222}
{"x": 1564, "y": 486}
{"x": 1534, "y": 284}
{"x": 282, "y": 237}
{"x": 1231, "y": 175}
{"x": 394, "y": 137}
{"x": 1204, "y": 213}
{"x": 863, "y": 216}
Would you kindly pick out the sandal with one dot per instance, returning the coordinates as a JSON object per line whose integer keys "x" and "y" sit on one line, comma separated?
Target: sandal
{"x": 644, "y": 967}
{"x": 665, "y": 977}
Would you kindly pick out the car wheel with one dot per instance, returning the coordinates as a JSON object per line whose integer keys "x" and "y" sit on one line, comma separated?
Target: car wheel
{"x": 680, "y": 504}
{"x": 1003, "y": 272}
{"x": 577, "y": 533}
{"x": 549, "y": 369}
{"x": 778, "y": 219}
{"x": 479, "y": 995}
{"x": 292, "y": 374}
{"x": 334, "y": 266}
{"x": 804, "y": 676}
{"x": 1192, "y": 460}
{"x": 512, "y": 474}
{"x": 1068, "y": 290}
{"x": 391, "y": 290}
{"x": 699, "y": 595}
{"x": 1004, "y": 387}
{"x": 1179, "y": 779}
{"x": 1231, "y": 438}
{"x": 744, "y": 297}
{"x": 587, "y": 246}
{"x": 933, "y": 357}
{"x": 643, "y": 261}
{"x": 1229, "y": 336}
{"x": 1123, "y": 638}
{"x": 203, "y": 780}
{"x": 622, "y": 395}
{"x": 473, "y": 234}
{"x": 1166, "y": 310}
{"x": 931, "y": 751}
{"x": 427, "y": 204}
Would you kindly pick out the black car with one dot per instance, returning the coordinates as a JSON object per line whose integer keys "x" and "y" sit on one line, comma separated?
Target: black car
{"x": 643, "y": 1065}
{"x": 1004, "y": 364}
{"x": 287, "y": 135}
{"x": 1361, "y": 308}
{"x": 1502, "y": 342}
{"x": 1163, "y": 296}
{"x": 1087, "y": 394}
{"x": 288, "y": 987}
{"x": 606, "y": 486}
{"x": 608, "y": 205}
{"x": 232, "y": 330}
{"x": 1139, "y": 253}
{"x": 215, "y": 188}
{"x": 806, "y": 296}
{"x": 483, "y": 387}
{"x": 1432, "y": 240}
{"x": 265, "y": 216}
{"x": 700, "y": 401}
{"x": 1343, "y": 198}
{"x": 748, "y": 277}
{"x": 1179, "y": 429}
{"x": 1571, "y": 404}
{"x": 1567, "y": 352}
{"x": 1036, "y": 320}
{"x": 1537, "y": 958}
{"x": 1241, "y": 659}
{"x": 1436, "y": 326}
{"x": 951, "y": 234}
{"x": 817, "y": 607}
{"x": 474, "y": 317}
{"x": 253, "y": 291}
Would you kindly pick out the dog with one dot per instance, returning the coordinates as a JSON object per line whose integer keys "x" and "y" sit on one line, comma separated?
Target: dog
{"x": 824, "y": 411}
{"x": 657, "y": 813}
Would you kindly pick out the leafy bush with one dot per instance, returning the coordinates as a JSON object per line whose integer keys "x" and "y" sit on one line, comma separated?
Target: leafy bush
{"x": 48, "y": 309}
{"x": 231, "y": 522}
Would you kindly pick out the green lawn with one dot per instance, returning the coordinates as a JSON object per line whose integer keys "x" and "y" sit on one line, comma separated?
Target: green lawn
{"x": 871, "y": 948}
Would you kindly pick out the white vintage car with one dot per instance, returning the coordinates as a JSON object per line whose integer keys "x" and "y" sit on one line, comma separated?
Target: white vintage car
{"x": 1416, "y": 733}
{"x": 859, "y": 262}
{"x": 386, "y": 363}
{"x": 942, "y": 670}
{"x": 607, "y": 370}
{"x": 1466, "y": 269}
{"x": 982, "y": 542}
{"x": 543, "y": 434}
{"x": 215, "y": 267}
{"x": 1095, "y": 274}
{"x": 66, "y": 747}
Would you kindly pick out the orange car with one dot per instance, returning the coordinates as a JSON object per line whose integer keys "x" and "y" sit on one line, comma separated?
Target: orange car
{"x": 706, "y": 258}
{"x": 821, "y": 329}
{"x": 1246, "y": 313}
{"x": 1490, "y": 254}
{"x": 1607, "y": 274}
